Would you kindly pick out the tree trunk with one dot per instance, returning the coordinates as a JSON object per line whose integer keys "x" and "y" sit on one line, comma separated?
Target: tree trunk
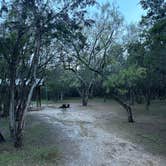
{"x": 84, "y": 101}
{"x": 126, "y": 107}
{"x": 2, "y": 111}
{"x": 38, "y": 97}
{"x": 85, "y": 97}
{"x": 147, "y": 103}
{"x": 131, "y": 96}
{"x": 12, "y": 108}
{"x": 61, "y": 96}
{"x": 105, "y": 98}
{"x": 21, "y": 117}
{"x": 1, "y": 138}
{"x": 148, "y": 99}
{"x": 91, "y": 95}
{"x": 18, "y": 139}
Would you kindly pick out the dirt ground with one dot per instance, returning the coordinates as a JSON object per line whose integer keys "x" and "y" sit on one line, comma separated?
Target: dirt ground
{"x": 99, "y": 135}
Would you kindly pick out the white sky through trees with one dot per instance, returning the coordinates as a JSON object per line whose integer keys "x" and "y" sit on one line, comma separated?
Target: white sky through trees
{"x": 130, "y": 9}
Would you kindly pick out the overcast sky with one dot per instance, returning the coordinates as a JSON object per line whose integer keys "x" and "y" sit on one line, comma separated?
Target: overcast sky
{"x": 131, "y": 9}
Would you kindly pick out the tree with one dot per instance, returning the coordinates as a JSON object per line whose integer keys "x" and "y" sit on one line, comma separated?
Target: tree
{"x": 156, "y": 10}
{"x": 30, "y": 29}
{"x": 1, "y": 138}
{"x": 4, "y": 92}
{"x": 84, "y": 80}
{"x": 58, "y": 82}
{"x": 88, "y": 50}
{"x": 154, "y": 44}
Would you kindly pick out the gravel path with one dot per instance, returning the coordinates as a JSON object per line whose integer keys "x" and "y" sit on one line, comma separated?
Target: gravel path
{"x": 83, "y": 142}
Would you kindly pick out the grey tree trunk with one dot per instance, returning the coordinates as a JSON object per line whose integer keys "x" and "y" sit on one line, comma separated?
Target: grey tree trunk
{"x": 126, "y": 107}
{"x": 131, "y": 96}
{"x": 105, "y": 98}
{"x": 1, "y": 138}
{"x": 61, "y": 96}
{"x": 147, "y": 98}
{"x": 21, "y": 118}
{"x": 38, "y": 97}
{"x": 12, "y": 109}
{"x": 26, "y": 101}
{"x": 85, "y": 97}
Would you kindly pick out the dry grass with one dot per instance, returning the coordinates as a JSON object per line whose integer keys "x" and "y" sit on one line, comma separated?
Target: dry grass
{"x": 149, "y": 129}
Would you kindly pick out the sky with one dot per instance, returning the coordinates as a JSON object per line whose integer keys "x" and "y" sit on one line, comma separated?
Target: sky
{"x": 130, "y": 9}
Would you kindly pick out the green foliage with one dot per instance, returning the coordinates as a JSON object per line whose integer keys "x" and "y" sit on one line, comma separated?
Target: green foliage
{"x": 156, "y": 10}
{"x": 125, "y": 78}
{"x": 59, "y": 81}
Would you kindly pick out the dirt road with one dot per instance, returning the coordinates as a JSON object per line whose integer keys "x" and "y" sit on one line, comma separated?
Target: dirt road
{"x": 83, "y": 141}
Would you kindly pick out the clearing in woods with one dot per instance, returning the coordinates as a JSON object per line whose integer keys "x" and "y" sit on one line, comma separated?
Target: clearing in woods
{"x": 97, "y": 135}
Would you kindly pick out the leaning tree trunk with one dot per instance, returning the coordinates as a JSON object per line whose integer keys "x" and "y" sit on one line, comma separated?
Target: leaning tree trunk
{"x": 2, "y": 139}
{"x": 126, "y": 107}
{"x": 26, "y": 101}
{"x": 21, "y": 117}
{"x": 18, "y": 138}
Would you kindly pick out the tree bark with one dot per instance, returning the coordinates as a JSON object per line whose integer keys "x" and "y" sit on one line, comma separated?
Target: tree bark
{"x": 38, "y": 97}
{"x": 85, "y": 97}
{"x": 12, "y": 108}
{"x": 91, "y": 93}
{"x": 61, "y": 96}
{"x": 131, "y": 96}
{"x": 18, "y": 139}
{"x": 1, "y": 138}
{"x": 22, "y": 113}
{"x": 148, "y": 99}
{"x": 26, "y": 101}
{"x": 105, "y": 98}
{"x": 85, "y": 101}
{"x": 126, "y": 107}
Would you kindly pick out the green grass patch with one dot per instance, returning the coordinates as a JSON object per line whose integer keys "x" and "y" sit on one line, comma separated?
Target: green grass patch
{"x": 38, "y": 149}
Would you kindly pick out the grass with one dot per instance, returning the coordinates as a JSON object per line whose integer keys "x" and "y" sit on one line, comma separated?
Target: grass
{"x": 142, "y": 134}
{"x": 38, "y": 149}
{"x": 149, "y": 129}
